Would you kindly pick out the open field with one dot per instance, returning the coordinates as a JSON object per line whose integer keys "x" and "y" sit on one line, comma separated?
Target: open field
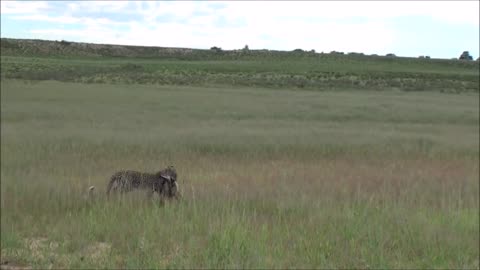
{"x": 270, "y": 179}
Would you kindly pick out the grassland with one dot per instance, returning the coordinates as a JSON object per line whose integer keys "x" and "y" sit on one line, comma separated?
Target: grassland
{"x": 90, "y": 63}
{"x": 270, "y": 179}
{"x": 272, "y": 176}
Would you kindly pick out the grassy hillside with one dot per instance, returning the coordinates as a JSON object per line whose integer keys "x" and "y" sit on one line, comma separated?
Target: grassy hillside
{"x": 90, "y": 63}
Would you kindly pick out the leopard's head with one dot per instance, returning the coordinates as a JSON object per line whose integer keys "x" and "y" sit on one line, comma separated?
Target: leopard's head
{"x": 170, "y": 174}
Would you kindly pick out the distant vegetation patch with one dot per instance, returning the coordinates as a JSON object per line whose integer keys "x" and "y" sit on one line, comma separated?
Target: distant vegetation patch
{"x": 96, "y": 63}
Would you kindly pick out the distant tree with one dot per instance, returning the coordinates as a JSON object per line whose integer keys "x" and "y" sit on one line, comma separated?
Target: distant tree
{"x": 216, "y": 49}
{"x": 390, "y": 55}
{"x": 298, "y": 50}
{"x": 428, "y": 57}
{"x": 465, "y": 56}
{"x": 66, "y": 43}
{"x": 312, "y": 51}
{"x": 421, "y": 57}
{"x": 246, "y": 48}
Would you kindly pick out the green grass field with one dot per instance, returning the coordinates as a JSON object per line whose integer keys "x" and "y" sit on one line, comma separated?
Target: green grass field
{"x": 90, "y": 63}
{"x": 270, "y": 179}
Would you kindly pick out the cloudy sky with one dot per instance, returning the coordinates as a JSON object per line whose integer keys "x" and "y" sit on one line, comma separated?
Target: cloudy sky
{"x": 441, "y": 29}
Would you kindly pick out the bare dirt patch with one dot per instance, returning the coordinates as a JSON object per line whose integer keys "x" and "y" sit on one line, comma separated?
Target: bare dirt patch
{"x": 97, "y": 250}
{"x": 40, "y": 246}
{"x": 8, "y": 265}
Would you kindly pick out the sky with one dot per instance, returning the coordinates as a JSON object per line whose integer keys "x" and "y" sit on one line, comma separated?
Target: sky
{"x": 440, "y": 29}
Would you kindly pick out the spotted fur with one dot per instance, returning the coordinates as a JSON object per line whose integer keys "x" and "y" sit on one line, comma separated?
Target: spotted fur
{"x": 163, "y": 182}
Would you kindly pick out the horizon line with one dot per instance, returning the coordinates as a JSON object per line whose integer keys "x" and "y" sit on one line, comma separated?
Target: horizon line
{"x": 392, "y": 54}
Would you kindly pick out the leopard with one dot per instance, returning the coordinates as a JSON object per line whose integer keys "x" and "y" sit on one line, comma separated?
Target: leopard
{"x": 163, "y": 182}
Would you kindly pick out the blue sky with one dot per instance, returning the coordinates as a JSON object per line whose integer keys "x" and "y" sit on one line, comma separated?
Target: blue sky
{"x": 441, "y": 29}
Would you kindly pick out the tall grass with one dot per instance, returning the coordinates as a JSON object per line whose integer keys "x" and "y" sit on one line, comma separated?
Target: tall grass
{"x": 270, "y": 179}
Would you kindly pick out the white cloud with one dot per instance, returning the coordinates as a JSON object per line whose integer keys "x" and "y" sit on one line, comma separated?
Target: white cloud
{"x": 99, "y": 6}
{"x": 46, "y": 18}
{"x": 22, "y": 7}
{"x": 68, "y": 19}
{"x": 453, "y": 11}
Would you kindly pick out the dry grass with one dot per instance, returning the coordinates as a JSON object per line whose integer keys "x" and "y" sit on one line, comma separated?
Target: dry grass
{"x": 269, "y": 180}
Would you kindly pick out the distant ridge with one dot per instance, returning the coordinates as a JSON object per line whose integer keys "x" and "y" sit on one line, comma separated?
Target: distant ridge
{"x": 31, "y": 47}
{"x": 66, "y": 48}
{"x": 38, "y": 47}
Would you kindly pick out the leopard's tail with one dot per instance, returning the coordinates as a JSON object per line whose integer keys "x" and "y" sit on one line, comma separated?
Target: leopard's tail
{"x": 112, "y": 182}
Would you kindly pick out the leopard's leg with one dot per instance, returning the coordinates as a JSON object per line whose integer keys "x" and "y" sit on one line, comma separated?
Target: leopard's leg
{"x": 150, "y": 192}
{"x": 161, "y": 196}
{"x": 161, "y": 199}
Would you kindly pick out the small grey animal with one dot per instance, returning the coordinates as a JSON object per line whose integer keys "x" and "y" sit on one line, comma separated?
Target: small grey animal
{"x": 90, "y": 195}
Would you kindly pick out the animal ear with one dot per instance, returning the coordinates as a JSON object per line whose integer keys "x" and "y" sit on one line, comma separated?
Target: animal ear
{"x": 166, "y": 176}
